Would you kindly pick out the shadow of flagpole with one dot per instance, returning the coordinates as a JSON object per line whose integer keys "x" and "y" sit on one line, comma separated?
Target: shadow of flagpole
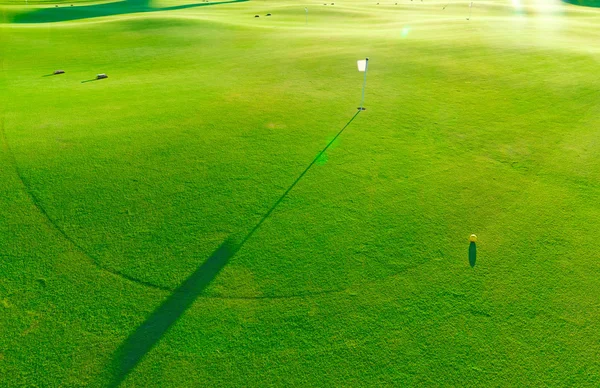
{"x": 268, "y": 213}
{"x": 143, "y": 339}
{"x": 149, "y": 333}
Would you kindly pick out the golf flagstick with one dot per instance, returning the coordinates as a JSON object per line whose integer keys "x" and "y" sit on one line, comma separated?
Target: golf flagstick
{"x": 306, "y": 12}
{"x": 363, "y": 65}
{"x": 470, "y": 10}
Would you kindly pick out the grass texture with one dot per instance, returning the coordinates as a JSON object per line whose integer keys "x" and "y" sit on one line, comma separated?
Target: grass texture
{"x": 165, "y": 226}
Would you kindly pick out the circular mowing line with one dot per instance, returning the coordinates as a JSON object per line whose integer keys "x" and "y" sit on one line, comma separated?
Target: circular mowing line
{"x": 54, "y": 225}
{"x": 13, "y": 256}
{"x": 155, "y": 286}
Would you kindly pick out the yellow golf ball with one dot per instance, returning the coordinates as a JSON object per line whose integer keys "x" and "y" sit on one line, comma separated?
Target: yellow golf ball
{"x": 473, "y": 238}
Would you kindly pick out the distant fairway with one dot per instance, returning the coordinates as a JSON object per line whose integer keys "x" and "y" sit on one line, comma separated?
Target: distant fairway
{"x": 145, "y": 239}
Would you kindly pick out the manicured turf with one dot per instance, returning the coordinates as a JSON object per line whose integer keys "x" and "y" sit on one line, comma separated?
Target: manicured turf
{"x": 145, "y": 238}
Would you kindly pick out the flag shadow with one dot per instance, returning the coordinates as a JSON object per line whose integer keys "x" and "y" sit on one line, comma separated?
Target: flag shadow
{"x": 140, "y": 342}
{"x": 315, "y": 160}
{"x": 472, "y": 254}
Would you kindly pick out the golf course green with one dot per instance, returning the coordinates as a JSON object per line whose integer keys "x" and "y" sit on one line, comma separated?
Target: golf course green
{"x": 217, "y": 212}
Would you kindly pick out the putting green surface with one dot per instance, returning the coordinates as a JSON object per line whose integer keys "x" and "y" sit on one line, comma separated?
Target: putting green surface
{"x": 116, "y": 194}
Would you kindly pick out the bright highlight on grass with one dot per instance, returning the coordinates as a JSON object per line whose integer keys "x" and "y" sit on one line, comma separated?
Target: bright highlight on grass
{"x": 405, "y": 32}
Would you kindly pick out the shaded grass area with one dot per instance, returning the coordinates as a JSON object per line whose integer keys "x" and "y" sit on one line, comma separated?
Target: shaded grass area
{"x": 34, "y": 3}
{"x": 584, "y": 3}
{"x": 61, "y": 14}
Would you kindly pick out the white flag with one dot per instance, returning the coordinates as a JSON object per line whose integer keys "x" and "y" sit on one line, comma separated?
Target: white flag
{"x": 306, "y": 9}
{"x": 362, "y": 65}
{"x": 470, "y": 5}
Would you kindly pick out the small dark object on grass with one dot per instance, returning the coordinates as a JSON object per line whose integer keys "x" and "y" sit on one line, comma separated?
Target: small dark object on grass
{"x": 59, "y": 72}
{"x": 268, "y": 14}
{"x": 256, "y": 16}
{"x": 56, "y": 6}
{"x": 101, "y": 76}
{"x": 332, "y": 3}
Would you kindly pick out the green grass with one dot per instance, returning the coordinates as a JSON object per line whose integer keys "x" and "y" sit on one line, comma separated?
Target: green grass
{"x": 114, "y": 192}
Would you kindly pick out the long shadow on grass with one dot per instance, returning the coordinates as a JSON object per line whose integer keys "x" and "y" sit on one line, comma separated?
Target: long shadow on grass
{"x": 149, "y": 333}
{"x": 320, "y": 154}
{"x": 65, "y": 13}
{"x": 135, "y": 347}
{"x": 472, "y": 254}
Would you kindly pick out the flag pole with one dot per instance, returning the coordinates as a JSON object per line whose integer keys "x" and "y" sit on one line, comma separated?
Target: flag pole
{"x": 362, "y": 98}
